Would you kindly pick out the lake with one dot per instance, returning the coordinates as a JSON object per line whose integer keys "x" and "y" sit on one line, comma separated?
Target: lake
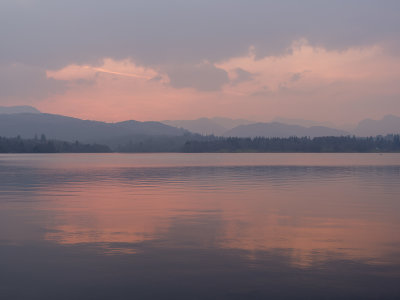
{"x": 200, "y": 226}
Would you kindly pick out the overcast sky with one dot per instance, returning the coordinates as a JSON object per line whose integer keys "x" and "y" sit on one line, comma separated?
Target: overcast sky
{"x": 336, "y": 61}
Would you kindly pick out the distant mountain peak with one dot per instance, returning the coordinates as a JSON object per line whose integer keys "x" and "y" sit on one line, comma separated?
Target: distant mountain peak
{"x": 389, "y": 124}
{"x": 19, "y": 109}
{"x": 277, "y": 129}
{"x": 207, "y": 126}
{"x": 391, "y": 117}
{"x": 303, "y": 122}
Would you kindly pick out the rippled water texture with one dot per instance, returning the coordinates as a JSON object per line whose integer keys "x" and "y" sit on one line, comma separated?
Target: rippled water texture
{"x": 200, "y": 226}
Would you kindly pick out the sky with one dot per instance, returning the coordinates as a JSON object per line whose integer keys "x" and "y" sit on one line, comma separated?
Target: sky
{"x": 329, "y": 61}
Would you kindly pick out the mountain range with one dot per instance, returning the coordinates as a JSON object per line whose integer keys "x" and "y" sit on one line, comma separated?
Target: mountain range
{"x": 282, "y": 127}
{"x": 27, "y": 121}
{"x": 207, "y": 126}
{"x": 387, "y": 125}
{"x": 27, "y": 125}
{"x": 276, "y": 129}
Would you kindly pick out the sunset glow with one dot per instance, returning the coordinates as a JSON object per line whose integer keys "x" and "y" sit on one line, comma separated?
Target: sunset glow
{"x": 298, "y": 73}
{"x": 199, "y": 149}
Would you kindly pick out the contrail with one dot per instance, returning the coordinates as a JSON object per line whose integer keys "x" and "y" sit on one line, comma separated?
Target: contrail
{"x": 118, "y": 73}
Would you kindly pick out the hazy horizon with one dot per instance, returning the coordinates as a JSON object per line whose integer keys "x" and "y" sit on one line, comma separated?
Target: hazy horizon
{"x": 334, "y": 62}
{"x": 279, "y": 119}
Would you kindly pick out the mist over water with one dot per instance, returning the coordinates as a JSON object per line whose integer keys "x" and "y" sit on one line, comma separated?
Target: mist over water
{"x": 200, "y": 226}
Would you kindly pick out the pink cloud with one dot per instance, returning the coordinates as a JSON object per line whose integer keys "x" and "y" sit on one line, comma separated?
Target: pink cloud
{"x": 310, "y": 82}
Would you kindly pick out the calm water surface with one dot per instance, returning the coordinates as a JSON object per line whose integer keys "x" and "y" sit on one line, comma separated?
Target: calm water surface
{"x": 200, "y": 226}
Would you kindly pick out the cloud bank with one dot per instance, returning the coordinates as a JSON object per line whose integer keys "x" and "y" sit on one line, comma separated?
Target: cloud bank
{"x": 206, "y": 52}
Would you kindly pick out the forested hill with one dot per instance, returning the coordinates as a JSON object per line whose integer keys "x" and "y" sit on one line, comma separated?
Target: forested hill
{"x": 70, "y": 129}
{"x": 42, "y": 145}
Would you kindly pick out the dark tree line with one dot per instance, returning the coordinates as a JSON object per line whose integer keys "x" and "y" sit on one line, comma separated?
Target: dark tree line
{"x": 141, "y": 144}
{"x": 42, "y": 145}
{"x": 192, "y": 143}
{"x": 389, "y": 143}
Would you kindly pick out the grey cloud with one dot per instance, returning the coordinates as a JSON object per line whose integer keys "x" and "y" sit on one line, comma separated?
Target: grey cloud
{"x": 242, "y": 76}
{"x": 156, "y": 78}
{"x": 296, "y": 77}
{"x": 52, "y": 34}
{"x": 18, "y": 81}
{"x": 203, "y": 77}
